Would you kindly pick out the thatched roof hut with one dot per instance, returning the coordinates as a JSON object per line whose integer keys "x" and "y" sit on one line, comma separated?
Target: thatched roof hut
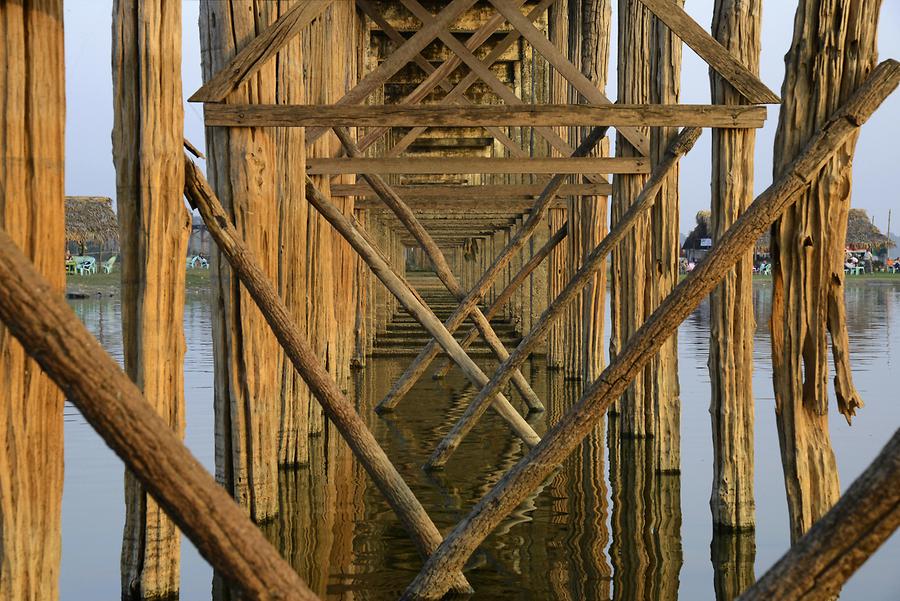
{"x": 700, "y": 232}
{"x": 862, "y": 234}
{"x": 90, "y": 219}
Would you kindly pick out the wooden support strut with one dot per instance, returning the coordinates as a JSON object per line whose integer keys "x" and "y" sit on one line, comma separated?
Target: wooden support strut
{"x": 447, "y": 165}
{"x": 441, "y": 267}
{"x": 426, "y": 355}
{"x": 594, "y": 261}
{"x": 340, "y": 410}
{"x": 710, "y": 50}
{"x": 51, "y": 333}
{"x": 818, "y": 565}
{"x": 348, "y": 227}
{"x": 485, "y": 195}
{"x": 580, "y": 420}
{"x": 510, "y": 289}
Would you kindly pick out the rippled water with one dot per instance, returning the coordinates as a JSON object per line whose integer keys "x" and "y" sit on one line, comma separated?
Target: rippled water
{"x": 603, "y": 528}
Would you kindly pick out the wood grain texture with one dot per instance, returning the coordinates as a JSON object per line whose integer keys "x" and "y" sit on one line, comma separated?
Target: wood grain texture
{"x": 808, "y": 252}
{"x": 257, "y": 52}
{"x": 465, "y": 195}
{"x": 613, "y": 115}
{"x": 737, "y": 26}
{"x": 154, "y": 226}
{"x": 709, "y": 49}
{"x": 247, "y": 359}
{"x": 32, "y": 163}
{"x": 580, "y": 420}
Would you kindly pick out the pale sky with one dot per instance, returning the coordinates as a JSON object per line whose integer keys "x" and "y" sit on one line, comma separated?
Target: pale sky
{"x": 89, "y": 167}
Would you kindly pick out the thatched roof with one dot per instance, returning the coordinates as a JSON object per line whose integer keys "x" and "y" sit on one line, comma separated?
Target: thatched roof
{"x": 861, "y": 234}
{"x": 700, "y": 231}
{"x": 90, "y": 219}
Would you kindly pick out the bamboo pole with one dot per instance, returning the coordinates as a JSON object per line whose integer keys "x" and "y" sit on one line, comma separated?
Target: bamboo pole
{"x": 514, "y": 284}
{"x": 594, "y": 261}
{"x": 32, "y": 209}
{"x": 818, "y": 565}
{"x": 737, "y": 26}
{"x": 338, "y": 408}
{"x": 441, "y": 267}
{"x": 421, "y": 362}
{"x": 36, "y": 313}
{"x": 568, "y": 433}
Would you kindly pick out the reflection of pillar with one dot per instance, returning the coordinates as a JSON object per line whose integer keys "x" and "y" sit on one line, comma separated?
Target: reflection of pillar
{"x": 733, "y": 554}
{"x": 646, "y": 520}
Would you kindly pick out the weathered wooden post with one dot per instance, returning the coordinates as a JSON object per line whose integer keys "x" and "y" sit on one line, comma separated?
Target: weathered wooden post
{"x": 247, "y": 357}
{"x": 833, "y": 51}
{"x": 32, "y": 209}
{"x": 732, "y": 326}
{"x": 154, "y": 225}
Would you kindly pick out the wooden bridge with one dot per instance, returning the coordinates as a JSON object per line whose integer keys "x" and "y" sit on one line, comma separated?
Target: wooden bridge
{"x": 349, "y": 139}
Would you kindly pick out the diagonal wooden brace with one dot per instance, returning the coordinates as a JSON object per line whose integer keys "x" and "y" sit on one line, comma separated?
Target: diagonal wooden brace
{"x": 397, "y": 60}
{"x": 593, "y": 262}
{"x": 541, "y": 205}
{"x": 581, "y": 419}
{"x": 441, "y": 267}
{"x": 339, "y": 409}
{"x": 510, "y": 289}
{"x": 362, "y": 243}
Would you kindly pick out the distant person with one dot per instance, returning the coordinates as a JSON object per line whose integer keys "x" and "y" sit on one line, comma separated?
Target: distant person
{"x": 690, "y": 266}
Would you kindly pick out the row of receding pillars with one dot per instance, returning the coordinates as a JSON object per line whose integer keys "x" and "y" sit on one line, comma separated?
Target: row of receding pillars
{"x": 117, "y": 409}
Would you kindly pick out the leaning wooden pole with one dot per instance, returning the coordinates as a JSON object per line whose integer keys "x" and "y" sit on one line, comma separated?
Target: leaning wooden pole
{"x": 737, "y": 25}
{"x": 423, "y": 360}
{"x": 36, "y": 313}
{"x": 32, "y": 209}
{"x": 148, "y": 135}
{"x": 409, "y": 220}
{"x": 579, "y": 421}
{"x": 337, "y": 407}
{"x": 347, "y": 226}
{"x": 817, "y": 566}
{"x": 500, "y": 302}
{"x": 833, "y": 50}
{"x": 583, "y": 277}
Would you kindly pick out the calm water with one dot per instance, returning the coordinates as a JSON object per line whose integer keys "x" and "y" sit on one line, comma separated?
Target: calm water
{"x": 602, "y": 529}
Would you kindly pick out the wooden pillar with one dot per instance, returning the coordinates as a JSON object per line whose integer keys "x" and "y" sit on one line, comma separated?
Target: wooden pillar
{"x": 32, "y": 211}
{"x": 294, "y": 259}
{"x": 154, "y": 226}
{"x": 732, "y": 325}
{"x": 628, "y": 286}
{"x": 247, "y": 357}
{"x": 664, "y": 399}
{"x": 833, "y": 51}
{"x": 590, "y": 23}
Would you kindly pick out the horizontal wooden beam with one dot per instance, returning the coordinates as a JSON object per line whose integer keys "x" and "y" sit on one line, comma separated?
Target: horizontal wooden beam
{"x": 492, "y": 193}
{"x": 455, "y": 165}
{"x": 544, "y": 115}
{"x": 470, "y": 205}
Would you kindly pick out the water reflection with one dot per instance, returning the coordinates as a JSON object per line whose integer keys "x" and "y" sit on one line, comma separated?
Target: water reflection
{"x": 606, "y": 526}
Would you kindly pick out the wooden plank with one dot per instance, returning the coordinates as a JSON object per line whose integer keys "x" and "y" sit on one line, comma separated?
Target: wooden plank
{"x": 709, "y": 49}
{"x": 565, "y": 67}
{"x": 471, "y": 205}
{"x": 546, "y": 115}
{"x": 398, "y": 59}
{"x": 490, "y": 193}
{"x": 266, "y": 45}
{"x": 447, "y": 165}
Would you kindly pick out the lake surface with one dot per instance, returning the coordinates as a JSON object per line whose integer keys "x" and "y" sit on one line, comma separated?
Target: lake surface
{"x": 603, "y": 528}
